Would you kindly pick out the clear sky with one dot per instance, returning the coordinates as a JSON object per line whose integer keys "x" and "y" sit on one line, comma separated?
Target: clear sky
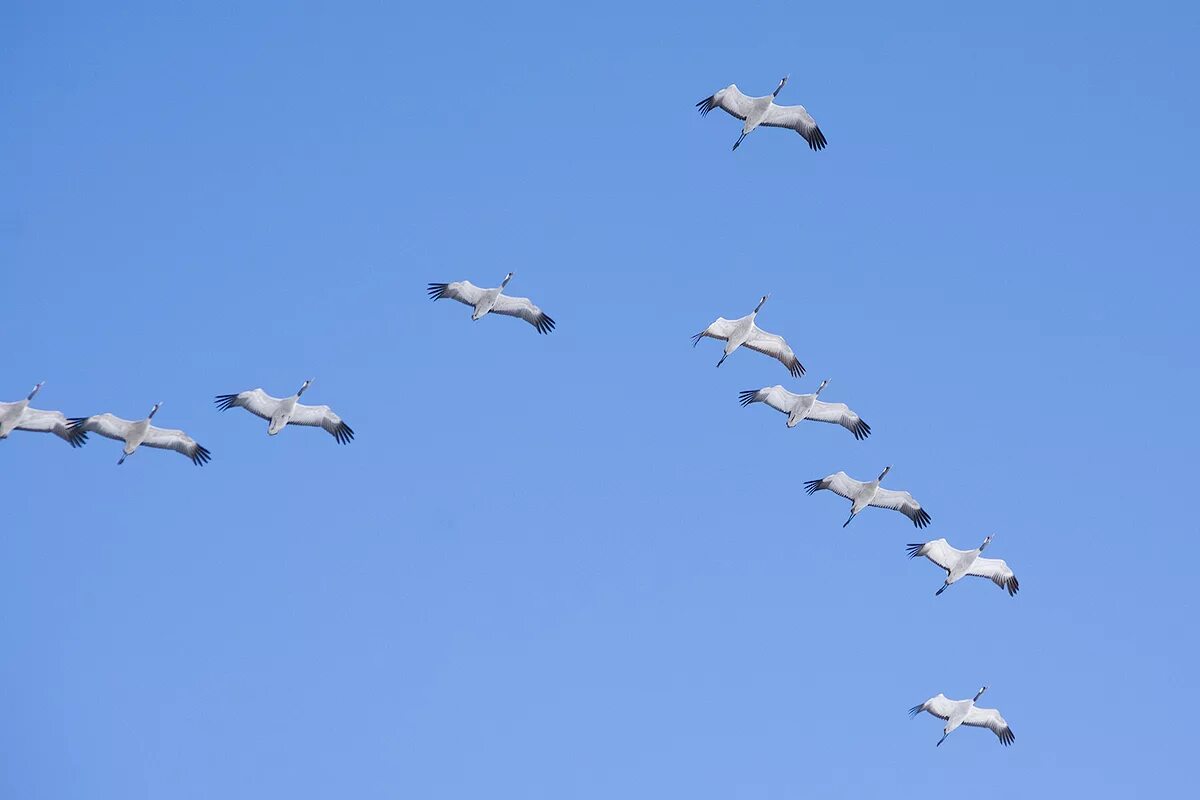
{"x": 570, "y": 566}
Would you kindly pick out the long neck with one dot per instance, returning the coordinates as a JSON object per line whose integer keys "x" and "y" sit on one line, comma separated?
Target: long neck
{"x": 978, "y": 695}
{"x": 504, "y": 282}
{"x": 36, "y": 389}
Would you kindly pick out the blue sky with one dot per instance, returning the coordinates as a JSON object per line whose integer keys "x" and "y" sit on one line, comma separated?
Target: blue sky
{"x": 572, "y": 566}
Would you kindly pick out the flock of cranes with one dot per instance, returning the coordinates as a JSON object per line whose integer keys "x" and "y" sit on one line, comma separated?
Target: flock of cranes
{"x": 133, "y": 434}
{"x": 742, "y": 332}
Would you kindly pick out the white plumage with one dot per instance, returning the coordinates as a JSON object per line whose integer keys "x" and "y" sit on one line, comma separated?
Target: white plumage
{"x": 866, "y": 494}
{"x": 806, "y": 406}
{"x": 965, "y": 712}
{"x": 18, "y": 416}
{"x": 283, "y": 411}
{"x": 755, "y": 111}
{"x": 486, "y": 301}
{"x": 743, "y": 331}
{"x": 961, "y": 563}
{"x": 134, "y": 434}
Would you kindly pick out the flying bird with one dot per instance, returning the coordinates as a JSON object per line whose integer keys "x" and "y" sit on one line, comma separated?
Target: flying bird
{"x": 965, "y": 712}
{"x": 755, "y": 111}
{"x": 862, "y": 495}
{"x": 287, "y": 411}
{"x": 141, "y": 432}
{"x": 18, "y": 416}
{"x": 487, "y": 301}
{"x": 806, "y": 406}
{"x": 738, "y": 332}
{"x": 959, "y": 563}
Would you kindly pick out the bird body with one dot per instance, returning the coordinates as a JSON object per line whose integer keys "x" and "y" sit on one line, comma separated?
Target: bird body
{"x": 18, "y": 416}
{"x": 861, "y": 495}
{"x": 743, "y": 331}
{"x": 756, "y": 111}
{"x": 962, "y": 563}
{"x": 279, "y": 412}
{"x": 965, "y": 712}
{"x": 135, "y": 433}
{"x": 799, "y": 407}
{"x": 487, "y": 301}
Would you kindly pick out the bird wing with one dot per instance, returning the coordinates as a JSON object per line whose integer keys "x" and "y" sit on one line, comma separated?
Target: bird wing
{"x": 721, "y": 329}
{"x": 839, "y": 483}
{"x": 256, "y": 401}
{"x": 990, "y": 718}
{"x": 776, "y": 397}
{"x": 462, "y": 291}
{"x": 902, "y": 502}
{"x": 939, "y": 705}
{"x": 177, "y": 440}
{"x": 729, "y": 99}
{"x": 524, "y": 308}
{"x": 840, "y": 414}
{"x": 51, "y": 422}
{"x": 107, "y": 425}
{"x": 776, "y": 347}
{"x": 322, "y": 417}
{"x": 995, "y": 570}
{"x": 799, "y": 120}
{"x": 938, "y": 551}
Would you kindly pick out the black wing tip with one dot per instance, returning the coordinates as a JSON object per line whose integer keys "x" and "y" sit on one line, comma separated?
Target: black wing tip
{"x": 816, "y": 140}
{"x": 914, "y": 549}
{"x": 436, "y": 290}
{"x": 1013, "y": 586}
{"x": 76, "y": 422}
{"x": 862, "y": 430}
{"x": 202, "y": 456}
{"x": 544, "y": 324}
{"x": 343, "y": 433}
{"x": 796, "y": 368}
{"x": 76, "y": 437}
{"x": 917, "y": 709}
{"x": 812, "y": 486}
{"x": 706, "y": 105}
{"x": 921, "y": 519}
{"x": 225, "y": 401}
{"x": 747, "y": 396}
{"x": 1007, "y": 737}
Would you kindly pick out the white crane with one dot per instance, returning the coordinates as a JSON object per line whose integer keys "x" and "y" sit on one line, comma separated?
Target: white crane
{"x": 965, "y": 712}
{"x": 960, "y": 563}
{"x": 18, "y": 416}
{"x": 862, "y": 495}
{"x": 806, "y": 406}
{"x": 743, "y": 331}
{"x": 487, "y": 301}
{"x": 755, "y": 111}
{"x": 280, "y": 412}
{"x": 141, "y": 432}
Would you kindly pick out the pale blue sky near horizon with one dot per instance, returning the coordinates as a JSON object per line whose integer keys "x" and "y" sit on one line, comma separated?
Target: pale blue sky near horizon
{"x": 571, "y": 566}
